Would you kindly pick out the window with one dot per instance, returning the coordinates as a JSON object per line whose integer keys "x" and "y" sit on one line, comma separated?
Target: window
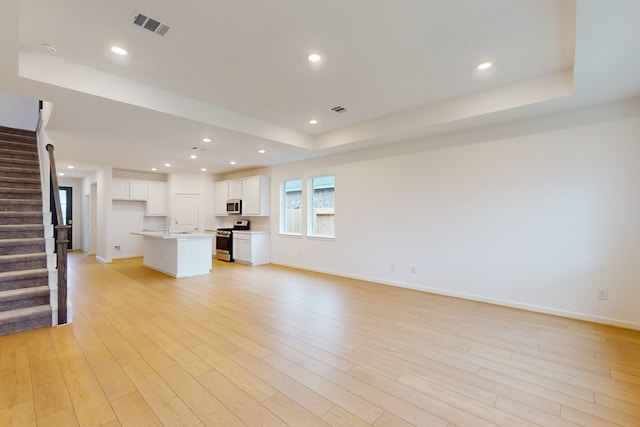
{"x": 322, "y": 206}
{"x": 291, "y": 213}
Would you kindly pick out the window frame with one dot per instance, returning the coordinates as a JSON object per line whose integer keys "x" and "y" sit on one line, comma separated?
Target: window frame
{"x": 283, "y": 210}
{"x": 311, "y": 223}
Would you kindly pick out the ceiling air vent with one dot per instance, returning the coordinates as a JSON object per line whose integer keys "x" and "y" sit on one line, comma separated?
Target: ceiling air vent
{"x": 150, "y": 24}
{"x": 339, "y": 109}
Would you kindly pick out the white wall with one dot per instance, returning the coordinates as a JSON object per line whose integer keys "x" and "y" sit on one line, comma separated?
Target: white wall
{"x": 18, "y": 112}
{"x": 104, "y": 248}
{"x": 538, "y": 214}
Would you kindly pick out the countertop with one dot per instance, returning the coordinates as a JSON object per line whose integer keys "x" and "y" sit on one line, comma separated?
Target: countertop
{"x": 241, "y": 231}
{"x": 178, "y": 235}
{"x": 249, "y": 232}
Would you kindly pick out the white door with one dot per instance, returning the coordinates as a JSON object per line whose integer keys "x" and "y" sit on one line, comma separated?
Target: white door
{"x": 186, "y": 212}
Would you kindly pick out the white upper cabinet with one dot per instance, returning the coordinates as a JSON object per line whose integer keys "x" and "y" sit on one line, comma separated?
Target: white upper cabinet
{"x": 235, "y": 189}
{"x": 125, "y": 189}
{"x": 152, "y": 192}
{"x": 220, "y": 197}
{"x": 138, "y": 190}
{"x": 253, "y": 191}
{"x": 156, "y": 199}
{"x": 255, "y": 196}
{"x": 120, "y": 189}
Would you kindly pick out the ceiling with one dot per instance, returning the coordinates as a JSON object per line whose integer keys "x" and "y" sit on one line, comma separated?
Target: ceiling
{"x": 237, "y": 72}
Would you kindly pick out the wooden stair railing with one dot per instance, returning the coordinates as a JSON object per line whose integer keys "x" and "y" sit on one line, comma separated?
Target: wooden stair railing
{"x": 62, "y": 241}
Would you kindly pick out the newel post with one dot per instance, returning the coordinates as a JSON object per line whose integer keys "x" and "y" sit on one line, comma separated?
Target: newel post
{"x": 62, "y": 245}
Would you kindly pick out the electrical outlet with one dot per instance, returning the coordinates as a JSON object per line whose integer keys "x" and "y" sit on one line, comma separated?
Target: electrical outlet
{"x": 392, "y": 267}
{"x": 603, "y": 294}
{"x": 117, "y": 248}
{"x": 300, "y": 254}
{"x": 413, "y": 269}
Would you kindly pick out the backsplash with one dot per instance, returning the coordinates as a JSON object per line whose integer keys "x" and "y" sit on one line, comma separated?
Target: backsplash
{"x": 154, "y": 223}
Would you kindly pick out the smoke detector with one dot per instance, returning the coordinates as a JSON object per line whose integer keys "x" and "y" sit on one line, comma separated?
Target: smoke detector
{"x": 143, "y": 21}
{"x": 51, "y": 48}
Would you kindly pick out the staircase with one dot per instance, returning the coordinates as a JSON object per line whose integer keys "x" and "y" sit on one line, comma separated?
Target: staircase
{"x": 25, "y": 294}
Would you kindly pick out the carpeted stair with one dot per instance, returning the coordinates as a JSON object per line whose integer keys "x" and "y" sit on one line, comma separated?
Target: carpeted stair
{"x": 24, "y": 277}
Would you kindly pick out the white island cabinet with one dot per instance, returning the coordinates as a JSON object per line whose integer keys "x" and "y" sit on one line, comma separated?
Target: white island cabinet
{"x": 251, "y": 247}
{"x": 177, "y": 254}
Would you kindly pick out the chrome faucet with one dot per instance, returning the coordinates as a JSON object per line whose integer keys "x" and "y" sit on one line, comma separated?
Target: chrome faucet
{"x": 171, "y": 220}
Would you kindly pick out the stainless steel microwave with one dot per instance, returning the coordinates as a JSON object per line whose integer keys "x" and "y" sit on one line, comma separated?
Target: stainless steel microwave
{"x": 234, "y": 207}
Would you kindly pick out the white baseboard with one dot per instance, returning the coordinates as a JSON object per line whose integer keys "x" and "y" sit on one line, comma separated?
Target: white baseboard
{"x": 505, "y": 303}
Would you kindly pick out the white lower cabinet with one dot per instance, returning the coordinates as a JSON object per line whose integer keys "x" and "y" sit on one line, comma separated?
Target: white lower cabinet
{"x": 251, "y": 247}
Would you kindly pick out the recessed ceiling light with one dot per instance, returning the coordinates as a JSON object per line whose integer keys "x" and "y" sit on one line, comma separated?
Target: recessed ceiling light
{"x": 261, "y": 151}
{"x": 206, "y": 139}
{"x": 313, "y": 122}
{"x": 232, "y": 162}
{"x": 70, "y": 167}
{"x": 203, "y": 169}
{"x": 193, "y": 156}
{"x": 61, "y": 173}
{"x": 314, "y": 57}
{"x": 485, "y": 66}
{"x": 118, "y": 50}
{"x": 167, "y": 165}
{"x": 154, "y": 169}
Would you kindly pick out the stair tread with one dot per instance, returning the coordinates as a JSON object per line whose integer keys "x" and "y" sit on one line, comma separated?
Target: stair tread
{"x": 26, "y": 203}
{"x": 14, "y": 137}
{"x": 20, "y": 213}
{"x": 20, "y": 178}
{"x": 20, "y": 293}
{"x": 23, "y": 256}
{"x": 26, "y": 217}
{"x": 14, "y": 169}
{"x": 19, "y": 190}
{"x": 17, "y": 131}
{"x": 34, "y": 272}
{"x": 27, "y": 142}
{"x": 23, "y": 241}
{"x": 22, "y": 160}
{"x": 21, "y": 314}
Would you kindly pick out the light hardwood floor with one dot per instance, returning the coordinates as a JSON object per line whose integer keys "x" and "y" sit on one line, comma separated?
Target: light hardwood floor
{"x": 271, "y": 346}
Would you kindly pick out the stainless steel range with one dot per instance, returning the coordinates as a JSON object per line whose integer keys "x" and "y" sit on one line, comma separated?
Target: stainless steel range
{"x": 224, "y": 240}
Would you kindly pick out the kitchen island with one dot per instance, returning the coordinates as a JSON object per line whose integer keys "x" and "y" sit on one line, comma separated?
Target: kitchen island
{"x": 177, "y": 254}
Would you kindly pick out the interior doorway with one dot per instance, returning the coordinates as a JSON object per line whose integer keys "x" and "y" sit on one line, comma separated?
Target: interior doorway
{"x": 66, "y": 208}
{"x": 93, "y": 218}
{"x": 186, "y": 212}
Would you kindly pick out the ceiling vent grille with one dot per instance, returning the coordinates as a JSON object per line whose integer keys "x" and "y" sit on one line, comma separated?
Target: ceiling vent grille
{"x": 339, "y": 109}
{"x": 150, "y": 24}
